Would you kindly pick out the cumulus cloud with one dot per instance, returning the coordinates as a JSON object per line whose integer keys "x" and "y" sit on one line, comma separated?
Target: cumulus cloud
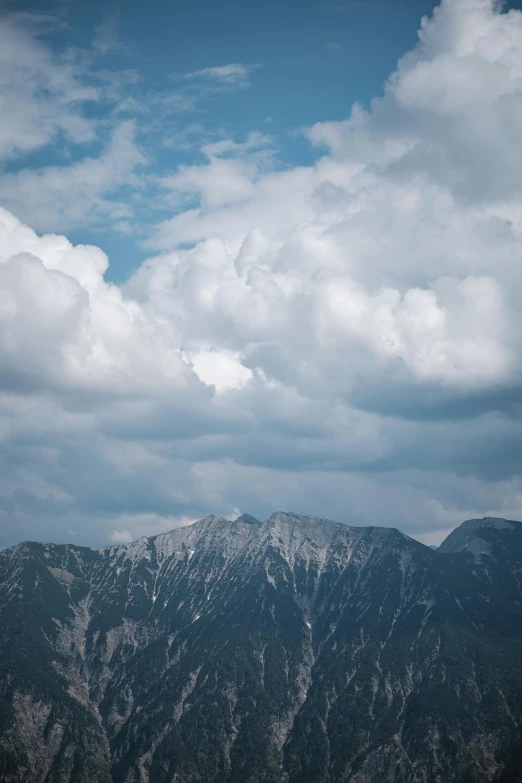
{"x": 339, "y": 339}
{"x": 222, "y": 369}
{"x": 390, "y": 244}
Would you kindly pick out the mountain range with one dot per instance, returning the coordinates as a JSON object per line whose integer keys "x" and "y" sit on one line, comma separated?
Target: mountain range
{"x": 297, "y": 650}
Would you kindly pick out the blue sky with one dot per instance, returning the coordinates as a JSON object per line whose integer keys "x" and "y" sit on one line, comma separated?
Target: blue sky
{"x": 259, "y": 257}
{"x": 310, "y": 61}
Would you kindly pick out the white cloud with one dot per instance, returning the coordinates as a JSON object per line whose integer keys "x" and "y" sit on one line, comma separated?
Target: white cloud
{"x": 47, "y": 95}
{"x": 232, "y": 75}
{"x": 41, "y": 95}
{"x": 120, "y": 536}
{"x": 81, "y": 192}
{"x": 44, "y": 97}
{"x": 65, "y": 328}
{"x": 106, "y": 37}
{"x": 255, "y": 148}
{"x": 223, "y": 369}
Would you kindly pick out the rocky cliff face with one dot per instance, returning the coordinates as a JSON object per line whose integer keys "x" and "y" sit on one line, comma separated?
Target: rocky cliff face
{"x": 295, "y": 650}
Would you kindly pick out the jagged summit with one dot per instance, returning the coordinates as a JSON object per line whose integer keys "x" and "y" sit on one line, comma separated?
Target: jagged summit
{"x": 292, "y": 649}
{"x": 320, "y": 529}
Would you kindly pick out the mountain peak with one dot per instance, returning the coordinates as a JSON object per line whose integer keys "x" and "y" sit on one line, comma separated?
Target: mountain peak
{"x": 248, "y": 519}
{"x": 278, "y": 516}
{"x": 497, "y": 522}
{"x": 473, "y": 534}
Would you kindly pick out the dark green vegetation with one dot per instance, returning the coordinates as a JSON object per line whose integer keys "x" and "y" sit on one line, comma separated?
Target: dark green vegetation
{"x": 297, "y": 650}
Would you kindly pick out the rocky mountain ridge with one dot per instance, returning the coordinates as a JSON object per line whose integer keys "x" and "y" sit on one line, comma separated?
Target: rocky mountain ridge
{"x": 298, "y": 649}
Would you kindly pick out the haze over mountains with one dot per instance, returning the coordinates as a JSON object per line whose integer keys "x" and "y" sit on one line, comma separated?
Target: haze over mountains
{"x": 297, "y": 650}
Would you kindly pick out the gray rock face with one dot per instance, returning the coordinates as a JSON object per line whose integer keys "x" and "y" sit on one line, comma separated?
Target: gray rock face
{"x": 296, "y": 650}
{"x": 475, "y": 535}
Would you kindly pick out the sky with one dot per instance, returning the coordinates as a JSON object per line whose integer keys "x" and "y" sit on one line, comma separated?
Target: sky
{"x": 259, "y": 257}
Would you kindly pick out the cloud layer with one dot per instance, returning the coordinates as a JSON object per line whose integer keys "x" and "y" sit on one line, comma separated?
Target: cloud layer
{"x": 340, "y": 339}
